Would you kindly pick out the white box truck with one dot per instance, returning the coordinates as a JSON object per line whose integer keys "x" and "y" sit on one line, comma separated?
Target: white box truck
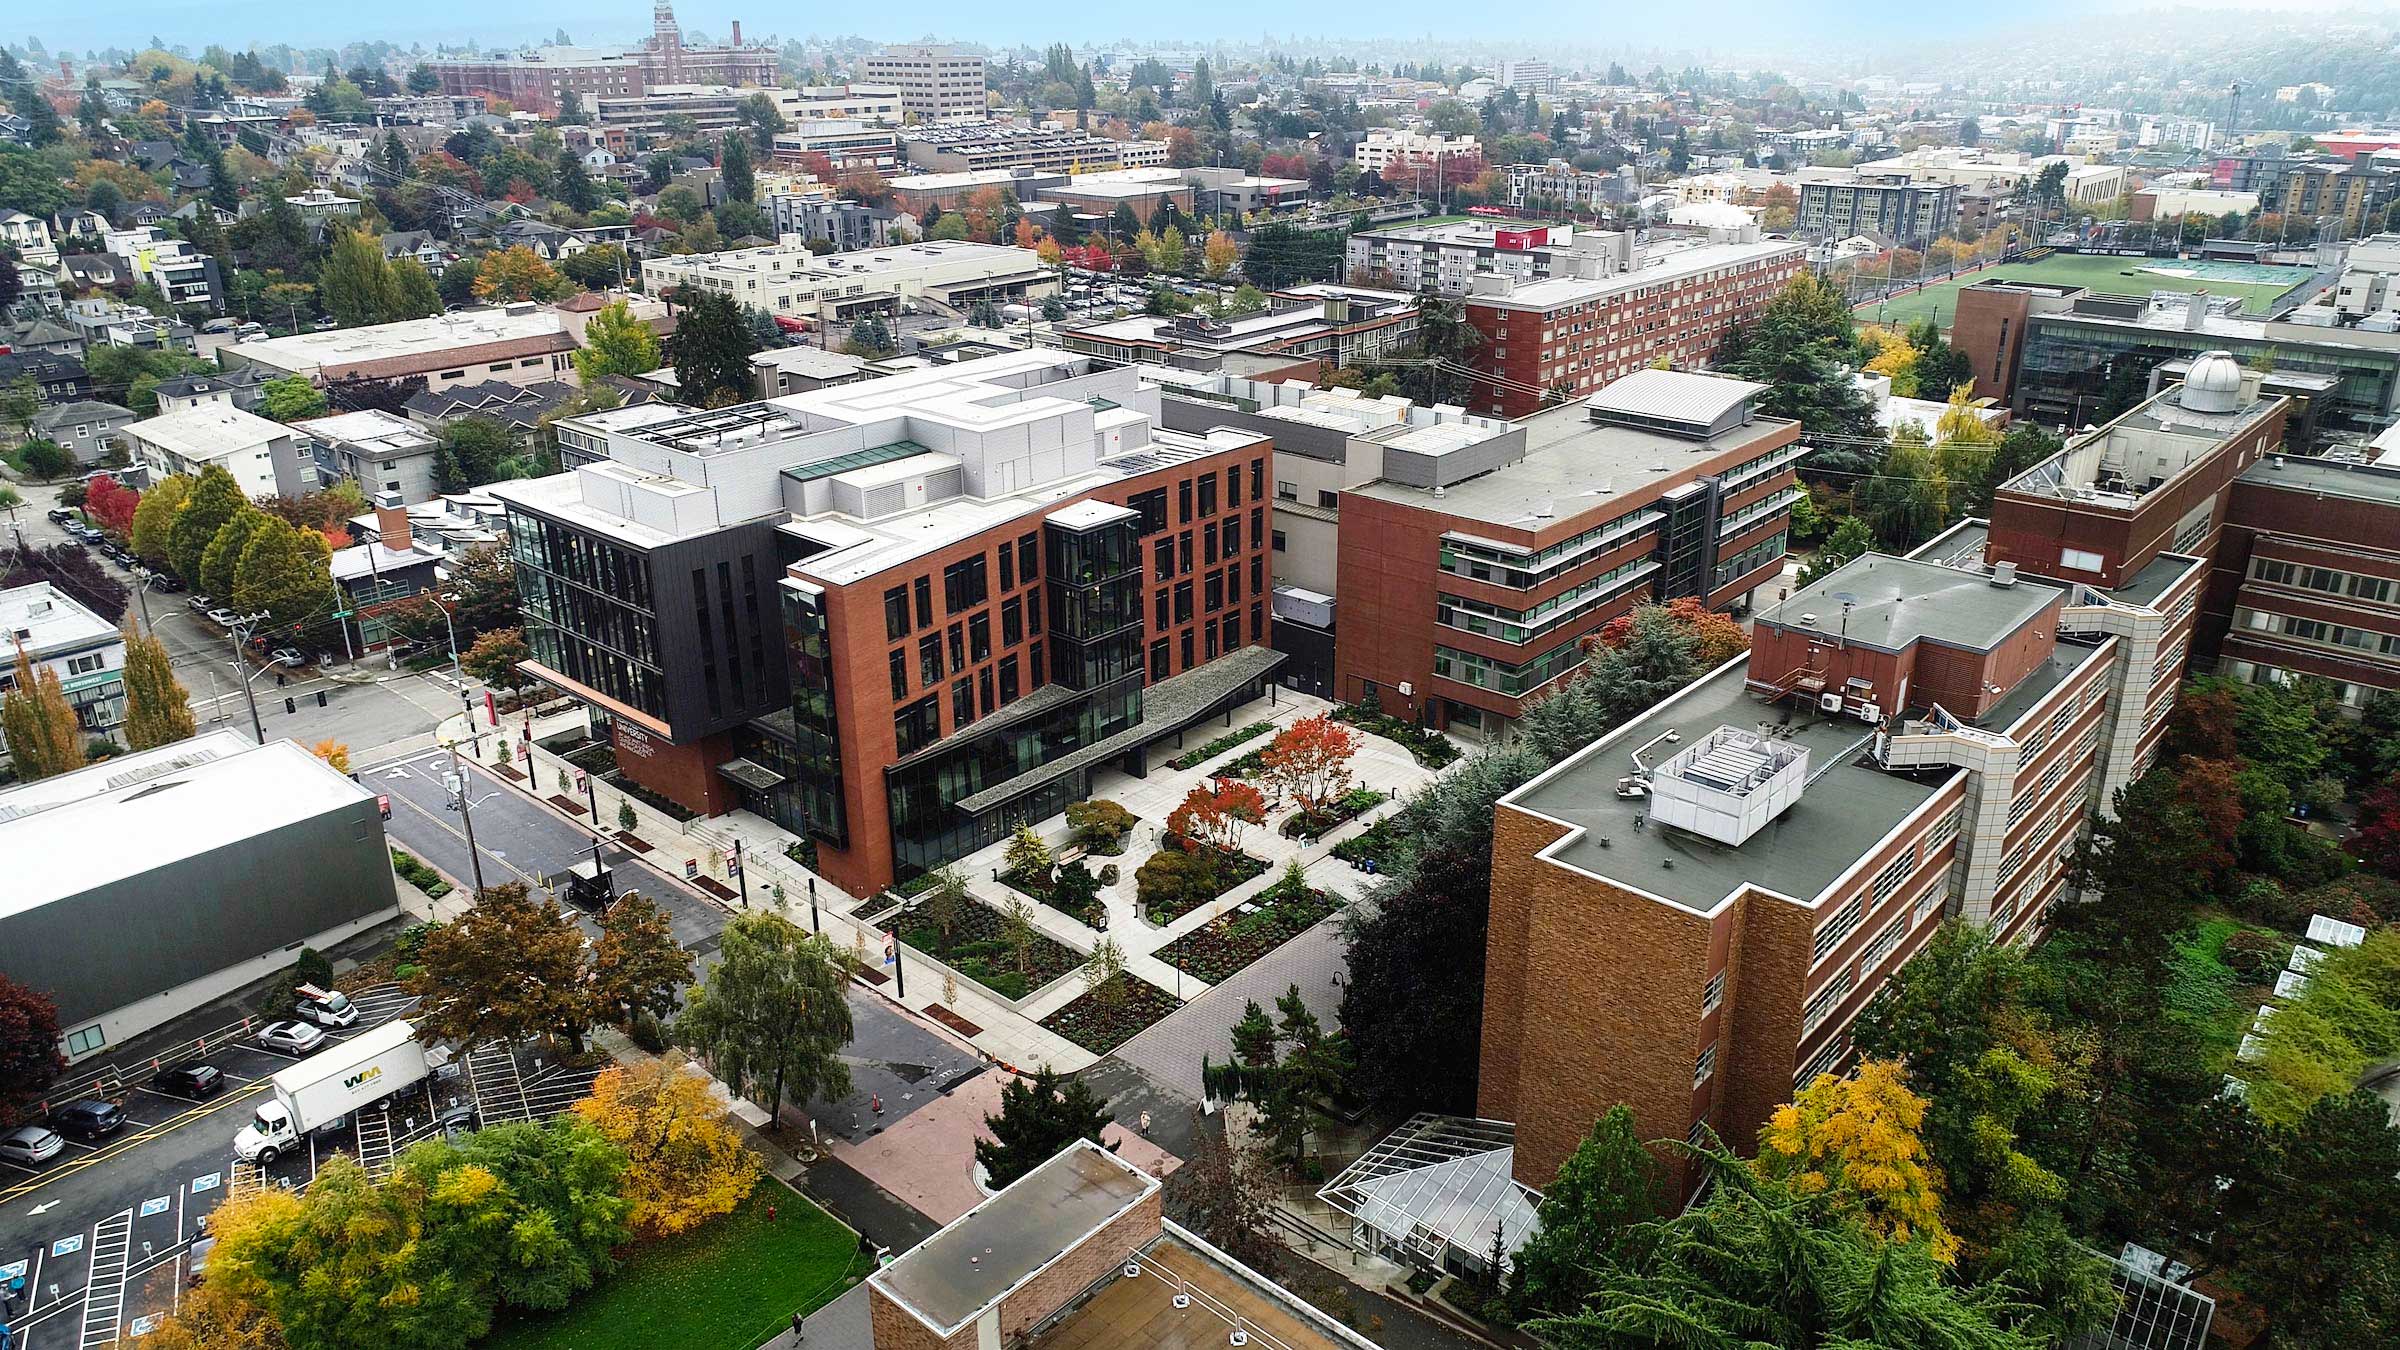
{"x": 329, "y": 1085}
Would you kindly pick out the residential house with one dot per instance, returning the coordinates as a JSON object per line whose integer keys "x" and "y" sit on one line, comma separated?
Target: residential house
{"x": 380, "y": 452}
{"x": 55, "y": 378}
{"x": 520, "y": 406}
{"x": 28, "y": 235}
{"x": 374, "y": 576}
{"x": 417, "y": 244}
{"x": 46, "y": 336}
{"x": 84, "y": 427}
{"x": 264, "y": 457}
{"x": 319, "y": 207}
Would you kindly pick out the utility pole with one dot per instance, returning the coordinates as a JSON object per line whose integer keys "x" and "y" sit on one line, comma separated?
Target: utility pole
{"x": 461, "y": 800}
{"x": 239, "y": 633}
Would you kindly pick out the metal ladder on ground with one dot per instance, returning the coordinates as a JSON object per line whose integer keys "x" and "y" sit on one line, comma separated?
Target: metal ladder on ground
{"x": 498, "y": 1085}
{"x": 375, "y": 1147}
{"x": 104, "y": 1289}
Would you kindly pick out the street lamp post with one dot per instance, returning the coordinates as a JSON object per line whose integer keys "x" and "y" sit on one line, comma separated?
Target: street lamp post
{"x": 458, "y": 672}
{"x": 238, "y": 632}
{"x": 463, "y": 801}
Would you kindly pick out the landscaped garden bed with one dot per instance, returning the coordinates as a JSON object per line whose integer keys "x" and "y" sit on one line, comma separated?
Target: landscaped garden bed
{"x": 1431, "y": 748}
{"x": 1174, "y": 882}
{"x": 670, "y": 809}
{"x": 1193, "y": 759}
{"x": 1372, "y": 849}
{"x": 1216, "y": 950}
{"x": 1347, "y": 807}
{"x": 984, "y": 946}
{"x": 1107, "y": 1017}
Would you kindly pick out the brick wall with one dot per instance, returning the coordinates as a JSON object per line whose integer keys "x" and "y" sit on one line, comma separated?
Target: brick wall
{"x": 1082, "y": 1267}
{"x": 895, "y": 1328}
{"x": 684, "y": 774}
{"x": 1989, "y": 329}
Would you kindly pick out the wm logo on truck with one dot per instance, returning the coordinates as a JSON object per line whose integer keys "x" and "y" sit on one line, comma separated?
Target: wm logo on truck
{"x": 363, "y": 1077}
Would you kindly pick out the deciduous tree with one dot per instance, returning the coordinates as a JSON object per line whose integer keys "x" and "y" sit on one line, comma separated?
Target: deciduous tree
{"x": 291, "y": 399}
{"x": 616, "y": 343}
{"x": 158, "y": 710}
{"x": 38, "y": 723}
{"x": 286, "y": 574}
{"x": 154, "y": 519}
{"x": 684, "y": 1164}
{"x": 1857, "y": 1139}
{"x": 1310, "y": 759}
{"x": 1606, "y": 1186}
{"x": 1214, "y": 813}
{"x": 224, "y": 553}
{"x": 509, "y": 969}
{"x": 637, "y": 966}
{"x": 496, "y": 659}
{"x": 1038, "y": 1117}
{"x": 29, "y": 1057}
{"x": 1218, "y": 255}
{"x": 518, "y": 273}
{"x": 215, "y": 498}
{"x": 771, "y": 1015}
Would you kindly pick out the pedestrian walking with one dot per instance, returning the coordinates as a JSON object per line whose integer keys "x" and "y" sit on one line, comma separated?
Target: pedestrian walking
{"x": 797, "y": 1329}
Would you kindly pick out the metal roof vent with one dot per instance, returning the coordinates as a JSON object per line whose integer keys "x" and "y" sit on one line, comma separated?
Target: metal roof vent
{"x": 1729, "y": 784}
{"x": 2004, "y": 574}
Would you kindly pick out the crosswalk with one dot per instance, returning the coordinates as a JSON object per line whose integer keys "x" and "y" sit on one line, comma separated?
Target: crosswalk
{"x": 104, "y": 1290}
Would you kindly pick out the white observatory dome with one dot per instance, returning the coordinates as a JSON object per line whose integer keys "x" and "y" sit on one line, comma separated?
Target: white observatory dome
{"x": 2213, "y": 384}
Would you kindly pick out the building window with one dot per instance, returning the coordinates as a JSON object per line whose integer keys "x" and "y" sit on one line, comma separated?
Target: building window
{"x": 1163, "y": 555}
{"x": 1713, "y": 994}
{"x": 962, "y": 703}
{"x": 1158, "y": 660}
{"x": 917, "y": 725}
{"x": 1258, "y": 622}
{"x": 924, "y": 602}
{"x": 1187, "y": 649}
{"x": 1208, "y": 542}
{"x": 1233, "y": 535}
{"x": 958, "y": 648}
{"x": 899, "y": 673}
{"x": 1025, "y": 557}
{"x": 1280, "y": 541}
{"x": 2081, "y": 560}
{"x": 929, "y": 659}
{"x": 84, "y": 1040}
{"x": 1183, "y": 502}
{"x": 1289, "y": 492}
{"x": 1012, "y": 619}
{"x": 979, "y": 638}
{"x": 1008, "y": 569}
{"x": 1183, "y": 602}
{"x": 1705, "y": 1067}
{"x": 1183, "y": 552}
{"x": 965, "y": 584}
{"x": 1844, "y": 921}
{"x": 1008, "y": 680}
{"x": 895, "y": 612}
{"x": 1233, "y": 486}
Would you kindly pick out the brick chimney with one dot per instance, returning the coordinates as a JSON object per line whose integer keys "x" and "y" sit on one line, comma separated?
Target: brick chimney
{"x": 737, "y": 32}
{"x": 391, "y": 521}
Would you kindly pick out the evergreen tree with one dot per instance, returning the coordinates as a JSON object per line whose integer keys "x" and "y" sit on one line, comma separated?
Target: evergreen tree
{"x": 1037, "y": 1119}
{"x": 413, "y": 294}
{"x": 574, "y": 186}
{"x": 713, "y": 345}
{"x": 38, "y": 723}
{"x": 1607, "y": 1185}
{"x": 741, "y": 180}
{"x": 158, "y": 711}
{"x": 224, "y": 553}
{"x": 394, "y": 156}
{"x": 356, "y": 283}
{"x": 25, "y": 95}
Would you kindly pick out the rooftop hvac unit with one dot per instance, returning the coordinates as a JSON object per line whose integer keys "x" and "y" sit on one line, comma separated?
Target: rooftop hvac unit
{"x": 1870, "y": 714}
{"x": 1831, "y": 703}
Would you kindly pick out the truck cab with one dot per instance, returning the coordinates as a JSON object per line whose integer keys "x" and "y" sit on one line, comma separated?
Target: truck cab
{"x": 269, "y": 1135}
{"x": 325, "y": 1007}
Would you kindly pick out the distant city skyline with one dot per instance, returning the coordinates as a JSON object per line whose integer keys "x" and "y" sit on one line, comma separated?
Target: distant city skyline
{"x": 1735, "y": 26}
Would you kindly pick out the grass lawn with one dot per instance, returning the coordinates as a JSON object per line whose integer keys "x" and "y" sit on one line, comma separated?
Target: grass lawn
{"x": 2121, "y": 276}
{"x": 725, "y": 1286}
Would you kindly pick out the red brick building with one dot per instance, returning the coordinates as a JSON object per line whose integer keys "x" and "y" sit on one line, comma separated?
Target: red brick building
{"x": 1468, "y": 578}
{"x": 535, "y": 80}
{"x": 1579, "y": 332}
{"x": 2307, "y": 577}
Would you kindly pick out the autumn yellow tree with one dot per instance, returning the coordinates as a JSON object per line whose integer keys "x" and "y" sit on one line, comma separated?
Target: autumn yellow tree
{"x": 1049, "y": 252}
{"x": 1894, "y": 358}
{"x": 335, "y": 754}
{"x": 229, "y": 1311}
{"x": 518, "y": 273}
{"x": 1857, "y": 1139}
{"x": 685, "y": 1164}
{"x": 1219, "y": 254}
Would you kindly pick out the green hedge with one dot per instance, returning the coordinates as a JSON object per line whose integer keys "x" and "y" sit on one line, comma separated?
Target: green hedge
{"x": 419, "y": 875}
{"x": 1193, "y": 759}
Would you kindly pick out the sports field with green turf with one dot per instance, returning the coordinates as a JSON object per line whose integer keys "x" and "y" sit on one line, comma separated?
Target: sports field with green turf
{"x": 2122, "y": 276}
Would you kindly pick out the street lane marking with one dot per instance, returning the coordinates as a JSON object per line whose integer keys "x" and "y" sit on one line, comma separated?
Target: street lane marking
{"x": 67, "y": 1246}
{"x": 232, "y": 1096}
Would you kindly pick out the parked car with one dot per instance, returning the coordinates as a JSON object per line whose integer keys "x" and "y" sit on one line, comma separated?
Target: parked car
{"x": 456, "y": 1120}
{"x": 30, "y": 1145}
{"x": 61, "y": 515}
{"x": 192, "y": 1080}
{"x": 166, "y": 581}
{"x": 290, "y": 656}
{"x": 90, "y": 1118}
{"x": 222, "y": 618}
{"x": 200, "y": 604}
{"x": 324, "y": 1007}
{"x": 297, "y": 1038}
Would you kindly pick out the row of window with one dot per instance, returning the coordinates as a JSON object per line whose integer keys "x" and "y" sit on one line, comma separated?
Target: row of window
{"x": 965, "y": 585}
{"x": 1524, "y": 625}
{"x": 2319, "y": 632}
{"x": 2376, "y": 590}
{"x": 1514, "y": 680}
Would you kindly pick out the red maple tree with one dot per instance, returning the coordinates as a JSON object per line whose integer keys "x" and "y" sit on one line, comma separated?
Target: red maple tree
{"x": 1720, "y": 638}
{"x": 1310, "y": 759}
{"x": 111, "y": 503}
{"x": 1213, "y": 814}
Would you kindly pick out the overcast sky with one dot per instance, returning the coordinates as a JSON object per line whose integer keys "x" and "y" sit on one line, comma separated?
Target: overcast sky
{"x": 1748, "y": 26}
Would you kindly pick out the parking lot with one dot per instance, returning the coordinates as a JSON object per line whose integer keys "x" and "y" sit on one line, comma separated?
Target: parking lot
{"x": 101, "y": 1233}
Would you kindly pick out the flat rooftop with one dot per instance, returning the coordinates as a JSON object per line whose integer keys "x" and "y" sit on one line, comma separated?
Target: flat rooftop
{"x": 2326, "y": 477}
{"x": 948, "y": 1280}
{"x": 1655, "y": 266}
{"x": 135, "y": 813}
{"x": 1573, "y": 465}
{"x": 1884, "y": 602}
{"x": 1142, "y": 1312}
{"x": 375, "y": 342}
{"x": 1847, "y": 805}
{"x": 53, "y": 620}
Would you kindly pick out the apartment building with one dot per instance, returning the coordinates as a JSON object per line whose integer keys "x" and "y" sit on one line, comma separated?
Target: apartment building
{"x": 1468, "y": 575}
{"x": 877, "y": 103}
{"x": 1321, "y": 322}
{"x": 1893, "y": 206}
{"x": 846, "y": 144}
{"x": 1388, "y": 147}
{"x": 899, "y": 616}
{"x": 61, "y": 637}
{"x": 789, "y": 279}
{"x": 936, "y": 84}
{"x": 1592, "y": 322}
{"x": 374, "y": 449}
{"x": 264, "y": 457}
{"x": 1742, "y": 868}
